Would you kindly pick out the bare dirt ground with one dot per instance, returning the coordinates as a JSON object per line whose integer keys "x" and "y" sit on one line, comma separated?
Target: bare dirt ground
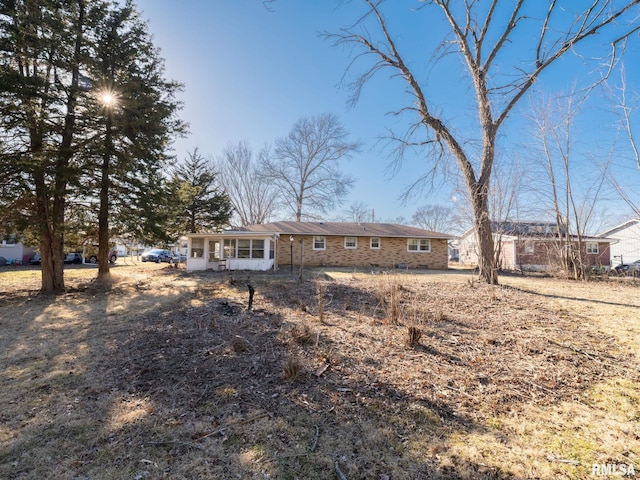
{"x": 166, "y": 374}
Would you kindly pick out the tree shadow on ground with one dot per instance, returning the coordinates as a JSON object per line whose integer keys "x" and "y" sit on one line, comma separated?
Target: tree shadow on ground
{"x": 189, "y": 384}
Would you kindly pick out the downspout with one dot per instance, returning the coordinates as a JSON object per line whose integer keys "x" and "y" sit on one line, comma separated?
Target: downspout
{"x": 276, "y": 237}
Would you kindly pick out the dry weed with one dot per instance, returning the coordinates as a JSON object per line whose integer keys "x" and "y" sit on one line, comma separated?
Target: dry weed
{"x": 414, "y": 335}
{"x": 320, "y": 297}
{"x": 239, "y": 344}
{"x": 534, "y": 381}
{"x": 292, "y": 368}
{"x": 302, "y": 334}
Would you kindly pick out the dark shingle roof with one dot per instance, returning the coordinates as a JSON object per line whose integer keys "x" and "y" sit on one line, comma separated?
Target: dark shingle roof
{"x": 345, "y": 229}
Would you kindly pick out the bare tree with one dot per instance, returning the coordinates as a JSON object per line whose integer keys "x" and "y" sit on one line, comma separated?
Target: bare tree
{"x": 254, "y": 198}
{"x": 573, "y": 198}
{"x": 626, "y": 108}
{"x": 304, "y": 165}
{"x": 359, "y": 212}
{"x": 437, "y": 218}
{"x": 482, "y": 35}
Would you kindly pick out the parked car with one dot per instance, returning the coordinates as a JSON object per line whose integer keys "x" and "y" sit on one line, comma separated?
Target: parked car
{"x": 633, "y": 268}
{"x": 74, "y": 257}
{"x": 628, "y": 268}
{"x": 92, "y": 256}
{"x": 36, "y": 259}
{"x": 159, "y": 255}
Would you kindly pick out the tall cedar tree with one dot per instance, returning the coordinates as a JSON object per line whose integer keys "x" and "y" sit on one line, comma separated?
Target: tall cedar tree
{"x": 136, "y": 114}
{"x": 201, "y": 205}
{"x": 41, "y": 51}
{"x": 54, "y": 61}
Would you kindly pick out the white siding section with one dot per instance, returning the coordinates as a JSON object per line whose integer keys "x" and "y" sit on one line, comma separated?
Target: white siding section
{"x": 627, "y": 243}
{"x": 203, "y": 263}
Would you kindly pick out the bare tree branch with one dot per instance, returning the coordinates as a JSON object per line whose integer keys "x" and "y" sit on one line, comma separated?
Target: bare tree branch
{"x": 481, "y": 40}
{"x": 304, "y": 166}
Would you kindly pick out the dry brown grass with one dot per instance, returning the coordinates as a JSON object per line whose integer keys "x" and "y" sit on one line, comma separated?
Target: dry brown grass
{"x": 163, "y": 374}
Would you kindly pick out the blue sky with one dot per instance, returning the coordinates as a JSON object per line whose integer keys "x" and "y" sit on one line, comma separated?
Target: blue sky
{"x": 250, "y": 72}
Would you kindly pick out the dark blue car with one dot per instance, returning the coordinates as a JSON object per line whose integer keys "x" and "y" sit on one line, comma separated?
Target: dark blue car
{"x": 158, "y": 255}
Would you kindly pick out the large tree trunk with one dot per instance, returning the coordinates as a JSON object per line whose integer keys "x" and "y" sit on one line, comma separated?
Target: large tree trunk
{"x": 51, "y": 239}
{"x": 486, "y": 256}
{"x": 51, "y": 205}
{"x": 103, "y": 214}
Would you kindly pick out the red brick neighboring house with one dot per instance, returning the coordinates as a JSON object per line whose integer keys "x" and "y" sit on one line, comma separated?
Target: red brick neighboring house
{"x": 285, "y": 244}
{"x": 535, "y": 246}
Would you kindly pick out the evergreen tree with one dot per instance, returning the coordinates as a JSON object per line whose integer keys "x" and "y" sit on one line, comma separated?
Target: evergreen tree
{"x": 201, "y": 205}
{"x": 41, "y": 50}
{"x": 85, "y": 121}
{"x": 136, "y": 109}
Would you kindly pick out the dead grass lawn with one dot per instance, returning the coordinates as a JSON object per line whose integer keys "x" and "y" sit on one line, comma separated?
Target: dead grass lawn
{"x": 164, "y": 374}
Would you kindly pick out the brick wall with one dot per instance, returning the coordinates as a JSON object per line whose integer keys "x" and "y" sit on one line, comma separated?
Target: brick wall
{"x": 392, "y": 251}
{"x": 546, "y": 253}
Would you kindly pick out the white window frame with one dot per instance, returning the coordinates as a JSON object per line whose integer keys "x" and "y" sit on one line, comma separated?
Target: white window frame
{"x": 590, "y": 248}
{"x": 371, "y": 246}
{"x": 255, "y": 249}
{"x": 529, "y": 247}
{"x": 351, "y": 247}
{"x": 230, "y": 247}
{"x": 320, "y": 239}
{"x": 197, "y": 247}
{"x": 421, "y": 245}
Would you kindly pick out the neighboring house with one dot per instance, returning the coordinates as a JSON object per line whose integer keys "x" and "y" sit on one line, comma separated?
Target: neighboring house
{"x": 625, "y": 247}
{"x": 533, "y": 246}
{"x": 15, "y": 252}
{"x": 454, "y": 251}
{"x": 286, "y": 244}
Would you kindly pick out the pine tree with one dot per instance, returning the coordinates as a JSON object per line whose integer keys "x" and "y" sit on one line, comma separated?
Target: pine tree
{"x": 86, "y": 118}
{"x": 40, "y": 98}
{"x": 201, "y": 205}
{"x": 138, "y": 108}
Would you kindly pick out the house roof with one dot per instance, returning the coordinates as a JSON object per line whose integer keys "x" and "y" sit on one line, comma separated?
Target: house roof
{"x": 528, "y": 229}
{"x": 345, "y": 229}
{"x": 623, "y": 226}
{"x": 533, "y": 230}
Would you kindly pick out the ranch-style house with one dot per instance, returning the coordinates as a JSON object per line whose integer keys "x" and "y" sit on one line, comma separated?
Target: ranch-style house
{"x": 287, "y": 244}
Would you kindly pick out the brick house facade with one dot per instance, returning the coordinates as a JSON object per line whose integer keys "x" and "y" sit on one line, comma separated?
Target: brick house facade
{"x": 535, "y": 246}
{"x": 388, "y": 252}
{"x": 339, "y": 244}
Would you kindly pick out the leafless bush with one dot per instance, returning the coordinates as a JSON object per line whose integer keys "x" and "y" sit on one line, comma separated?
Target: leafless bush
{"x": 439, "y": 315}
{"x": 389, "y": 298}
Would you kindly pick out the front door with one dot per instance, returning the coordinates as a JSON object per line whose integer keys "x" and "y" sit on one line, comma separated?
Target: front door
{"x": 214, "y": 251}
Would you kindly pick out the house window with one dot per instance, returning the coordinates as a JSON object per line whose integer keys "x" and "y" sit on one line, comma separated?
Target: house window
{"x": 529, "y": 246}
{"x": 229, "y": 248}
{"x": 374, "y": 243}
{"x": 419, "y": 245}
{"x": 319, "y": 243}
{"x": 350, "y": 242}
{"x": 197, "y": 247}
{"x": 244, "y": 248}
{"x": 257, "y": 248}
{"x": 592, "y": 248}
